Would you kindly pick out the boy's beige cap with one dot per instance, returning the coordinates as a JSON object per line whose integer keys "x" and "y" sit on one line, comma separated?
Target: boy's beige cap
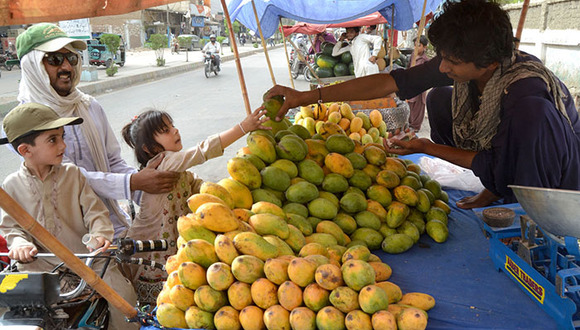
{"x": 31, "y": 117}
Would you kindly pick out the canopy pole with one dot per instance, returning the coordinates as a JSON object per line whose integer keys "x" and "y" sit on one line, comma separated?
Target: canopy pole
{"x": 520, "y": 28}
{"x": 263, "y": 43}
{"x": 286, "y": 52}
{"x": 419, "y": 33}
{"x": 392, "y": 41}
{"x": 302, "y": 58}
{"x": 25, "y": 220}
{"x": 237, "y": 58}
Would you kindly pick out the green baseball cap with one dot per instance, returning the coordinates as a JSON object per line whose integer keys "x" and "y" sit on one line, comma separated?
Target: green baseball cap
{"x": 46, "y": 37}
{"x": 32, "y": 117}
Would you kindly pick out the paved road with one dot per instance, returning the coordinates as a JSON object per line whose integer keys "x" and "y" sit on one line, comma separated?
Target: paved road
{"x": 200, "y": 106}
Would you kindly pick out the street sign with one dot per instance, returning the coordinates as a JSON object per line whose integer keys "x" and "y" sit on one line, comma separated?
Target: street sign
{"x": 77, "y": 28}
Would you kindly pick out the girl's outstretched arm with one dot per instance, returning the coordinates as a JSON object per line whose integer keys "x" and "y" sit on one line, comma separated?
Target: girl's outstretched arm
{"x": 251, "y": 123}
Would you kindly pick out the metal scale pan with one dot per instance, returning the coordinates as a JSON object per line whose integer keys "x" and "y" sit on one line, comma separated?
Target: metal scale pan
{"x": 556, "y": 211}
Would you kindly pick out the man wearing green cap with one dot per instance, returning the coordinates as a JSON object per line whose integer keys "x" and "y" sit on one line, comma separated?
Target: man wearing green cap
{"x": 57, "y": 195}
{"x": 51, "y": 70}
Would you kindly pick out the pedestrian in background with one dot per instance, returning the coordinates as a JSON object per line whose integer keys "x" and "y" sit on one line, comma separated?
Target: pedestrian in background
{"x": 417, "y": 103}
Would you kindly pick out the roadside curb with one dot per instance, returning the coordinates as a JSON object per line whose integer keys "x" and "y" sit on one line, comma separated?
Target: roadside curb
{"x": 119, "y": 81}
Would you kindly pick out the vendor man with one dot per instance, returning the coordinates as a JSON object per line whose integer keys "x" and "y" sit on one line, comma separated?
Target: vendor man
{"x": 507, "y": 117}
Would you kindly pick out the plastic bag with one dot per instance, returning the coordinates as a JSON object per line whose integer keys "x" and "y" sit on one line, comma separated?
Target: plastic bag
{"x": 450, "y": 175}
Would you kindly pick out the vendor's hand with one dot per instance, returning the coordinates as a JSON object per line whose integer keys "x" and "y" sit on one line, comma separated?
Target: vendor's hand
{"x": 342, "y": 36}
{"x": 255, "y": 120}
{"x": 373, "y": 59}
{"x": 152, "y": 181}
{"x": 23, "y": 254}
{"x": 292, "y": 99}
{"x": 102, "y": 244}
{"x": 400, "y": 147}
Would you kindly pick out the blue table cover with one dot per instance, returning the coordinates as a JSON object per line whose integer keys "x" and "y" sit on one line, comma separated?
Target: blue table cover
{"x": 459, "y": 274}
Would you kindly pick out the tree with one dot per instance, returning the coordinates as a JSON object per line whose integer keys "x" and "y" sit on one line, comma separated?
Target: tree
{"x": 157, "y": 42}
{"x": 112, "y": 42}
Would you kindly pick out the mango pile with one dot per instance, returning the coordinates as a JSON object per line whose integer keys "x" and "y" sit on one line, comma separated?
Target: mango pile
{"x": 245, "y": 282}
{"x": 286, "y": 240}
{"x": 361, "y": 127}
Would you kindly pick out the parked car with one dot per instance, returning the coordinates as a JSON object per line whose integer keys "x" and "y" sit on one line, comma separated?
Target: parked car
{"x": 99, "y": 55}
{"x": 194, "y": 41}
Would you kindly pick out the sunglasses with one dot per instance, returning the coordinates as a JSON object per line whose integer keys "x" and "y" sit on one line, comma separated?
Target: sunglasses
{"x": 56, "y": 59}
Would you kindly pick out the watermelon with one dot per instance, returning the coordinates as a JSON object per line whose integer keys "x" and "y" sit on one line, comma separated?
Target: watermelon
{"x": 325, "y": 61}
{"x": 340, "y": 69}
{"x": 326, "y": 48}
{"x": 324, "y": 72}
{"x": 346, "y": 57}
{"x": 351, "y": 68}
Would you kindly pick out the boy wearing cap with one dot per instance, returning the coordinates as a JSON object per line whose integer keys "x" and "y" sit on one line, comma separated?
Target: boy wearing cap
{"x": 51, "y": 70}
{"x": 57, "y": 195}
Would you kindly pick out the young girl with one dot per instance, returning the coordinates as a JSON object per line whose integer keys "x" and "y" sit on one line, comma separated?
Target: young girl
{"x": 153, "y": 135}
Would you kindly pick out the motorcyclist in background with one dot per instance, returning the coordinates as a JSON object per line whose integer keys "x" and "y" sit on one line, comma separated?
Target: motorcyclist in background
{"x": 215, "y": 49}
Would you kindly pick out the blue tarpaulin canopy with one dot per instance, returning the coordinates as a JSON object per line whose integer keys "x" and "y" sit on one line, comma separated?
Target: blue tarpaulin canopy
{"x": 406, "y": 12}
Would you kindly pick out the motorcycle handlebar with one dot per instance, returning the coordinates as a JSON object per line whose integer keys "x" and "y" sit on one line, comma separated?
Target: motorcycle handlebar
{"x": 135, "y": 246}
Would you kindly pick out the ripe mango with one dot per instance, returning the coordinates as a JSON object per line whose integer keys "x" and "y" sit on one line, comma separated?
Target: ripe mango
{"x": 328, "y": 276}
{"x": 419, "y": 300}
{"x": 249, "y": 243}
{"x": 388, "y": 179}
{"x": 313, "y": 249}
{"x": 358, "y": 319}
{"x": 396, "y": 214}
{"x": 247, "y": 268}
{"x": 339, "y": 164}
{"x": 262, "y": 147}
{"x": 333, "y": 229}
{"x": 255, "y": 160}
{"x": 315, "y": 297}
{"x": 264, "y": 195}
{"x": 191, "y": 275}
{"x": 393, "y": 164}
{"x": 382, "y": 271}
{"x": 197, "y": 200}
{"x": 301, "y": 271}
{"x": 358, "y": 252}
{"x": 264, "y": 293}
{"x": 323, "y": 239}
{"x": 393, "y": 291}
{"x": 344, "y": 299}
{"x": 289, "y": 295}
{"x": 353, "y": 203}
{"x": 276, "y": 270}
{"x": 263, "y": 207}
{"x": 189, "y": 227}
{"x": 242, "y": 170}
{"x": 227, "y": 318}
{"x": 357, "y": 274}
{"x": 296, "y": 239}
{"x": 277, "y": 317}
{"x": 170, "y": 316}
{"x": 301, "y": 223}
{"x": 322, "y": 208}
{"x": 372, "y": 299}
{"x": 218, "y": 191}
{"x": 302, "y": 318}
{"x": 283, "y": 248}
{"x": 330, "y": 318}
{"x": 377, "y": 209}
{"x": 384, "y": 320}
{"x": 252, "y": 317}
{"x": 225, "y": 249}
{"x": 241, "y": 195}
{"x": 239, "y": 295}
{"x": 411, "y": 318}
{"x": 219, "y": 276}
{"x": 201, "y": 252}
{"x": 172, "y": 280}
{"x": 406, "y": 195}
{"x": 375, "y": 155}
{"x": 437, "y": 230}
{"x": 327, "y": 129}
{"x": 209, "y": 299}
{"x": 269, "y": 224}
{"x": 181, "y": 297}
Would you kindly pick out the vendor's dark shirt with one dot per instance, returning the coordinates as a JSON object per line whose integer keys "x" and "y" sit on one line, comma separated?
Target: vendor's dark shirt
{"x": 534, "y": 145}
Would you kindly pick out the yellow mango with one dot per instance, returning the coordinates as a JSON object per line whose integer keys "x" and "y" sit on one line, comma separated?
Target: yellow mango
{"x": 239, "y": 295}
{"x": 217, "y": 217}
{"x": 264, "y": 293}
{"x": 242, "y": 170}
{"x": 289, "y": 295}
{"x": 252, "y": 317}
{"x": 241, "y": 195}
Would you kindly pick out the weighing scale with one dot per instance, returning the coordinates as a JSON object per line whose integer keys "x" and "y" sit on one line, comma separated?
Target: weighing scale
{"x": 545, "y": 261}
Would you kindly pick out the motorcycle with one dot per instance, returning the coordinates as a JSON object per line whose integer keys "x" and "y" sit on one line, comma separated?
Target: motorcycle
{"x": 8, "y": 60}
{"x": 36, "y": 300}
{"x": 298, "y": 66}
{"x": 209, "y": 64}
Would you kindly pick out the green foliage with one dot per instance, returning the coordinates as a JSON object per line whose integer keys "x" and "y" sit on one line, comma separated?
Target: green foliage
{"x": 255, "y": 45}
{"x": 236, "y": 25}
{"x": 157, "y": 42}
{"x": 184, "y": 42}
{"x": 112, "y": 70}
{"x": 112, "y": 41}
{"x": 220, "y": 39}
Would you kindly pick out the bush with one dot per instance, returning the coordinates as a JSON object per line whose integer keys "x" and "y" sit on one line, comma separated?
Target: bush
{"x": 112, "y": 70}
{"x": 157, "y": 42}
{"x": 112, "y": 42}
{"x": 255, "y": 45}
{"x": 184, "y": 42}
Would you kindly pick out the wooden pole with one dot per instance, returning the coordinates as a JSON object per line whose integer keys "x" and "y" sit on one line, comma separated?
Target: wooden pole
{"x": 286, "y": 52}
{"x": 392, "y": 41}
{"x": 264, "y": 43}
{"x": 237, "y": 58}
{"x": 419, "y": 33}
{"x": 10, "y": 206}
{"x": 520, "y": 28}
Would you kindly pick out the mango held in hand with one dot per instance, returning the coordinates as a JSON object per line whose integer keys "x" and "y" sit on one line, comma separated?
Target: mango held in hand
{"x": 273, "y": 105}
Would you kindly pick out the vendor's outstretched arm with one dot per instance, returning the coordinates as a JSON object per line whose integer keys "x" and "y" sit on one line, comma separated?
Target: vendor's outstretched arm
{"x": 363, "y": 88}
{"x": 457, "y": 156}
